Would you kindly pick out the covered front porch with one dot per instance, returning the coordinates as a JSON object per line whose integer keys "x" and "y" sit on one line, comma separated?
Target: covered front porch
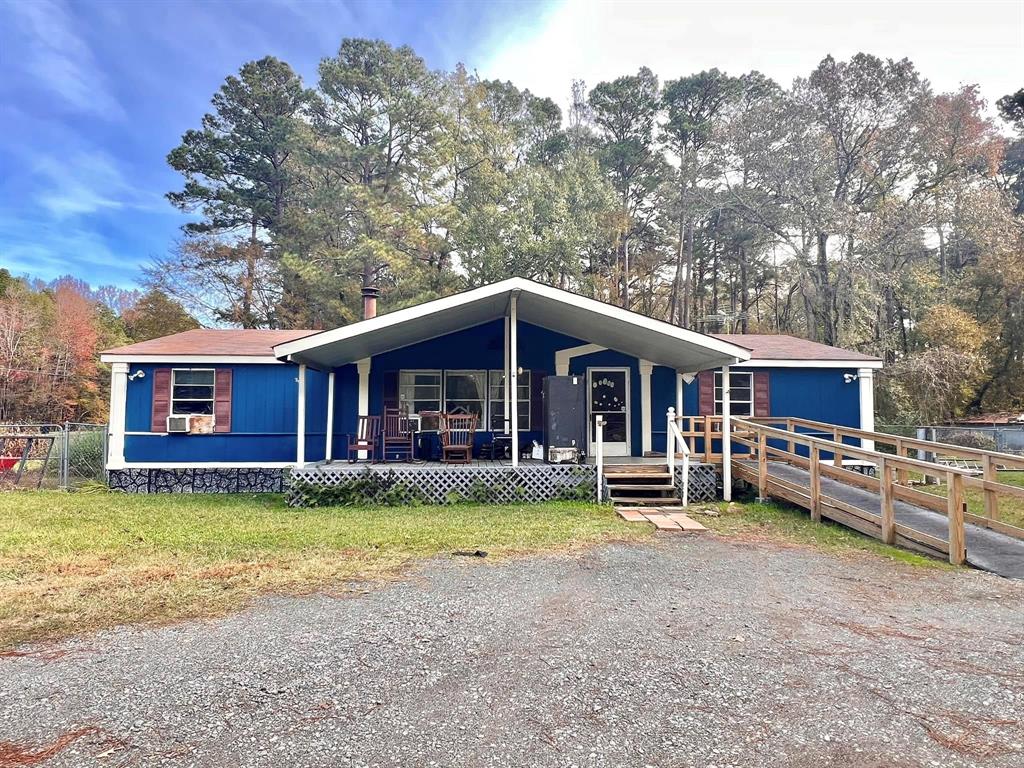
{"x": 496, "y": 353}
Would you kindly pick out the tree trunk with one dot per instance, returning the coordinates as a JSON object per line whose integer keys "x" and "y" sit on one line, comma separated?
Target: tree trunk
{"x": 744, "y": 292}
{"x": 690, "y": 284}
{"x": 824, "y": 290}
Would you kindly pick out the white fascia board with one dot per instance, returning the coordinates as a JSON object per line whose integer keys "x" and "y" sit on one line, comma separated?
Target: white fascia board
{"x": 506, "y": 286}
{"x": 214, "y": 359}
{"x": 846, "y": 364}
{"x": 634, "y": 318}
{"x": 392, "y": 318}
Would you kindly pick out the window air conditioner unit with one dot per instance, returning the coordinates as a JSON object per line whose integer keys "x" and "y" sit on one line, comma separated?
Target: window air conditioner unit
{"x": 179, "y": 423}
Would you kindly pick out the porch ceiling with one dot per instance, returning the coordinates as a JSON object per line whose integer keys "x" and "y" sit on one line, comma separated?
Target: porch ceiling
{"x": 586, "y": 319}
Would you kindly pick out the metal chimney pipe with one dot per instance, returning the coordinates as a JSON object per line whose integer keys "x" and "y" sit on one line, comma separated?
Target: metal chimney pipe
{"x": 370, "y": 294}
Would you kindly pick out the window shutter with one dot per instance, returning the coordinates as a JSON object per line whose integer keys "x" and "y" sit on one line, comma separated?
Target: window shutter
{"x": 706, "y": 393}
{"x": 537, "y": 399}
{"x": 222, "y": 400}
{"x": 389, "y": 389}
{"x": 161, "y": 399}
{"x": 762, "y": 394}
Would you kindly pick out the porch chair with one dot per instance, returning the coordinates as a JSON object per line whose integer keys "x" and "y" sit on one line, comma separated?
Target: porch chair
{"x": 457, "y": 431}
{"x": 365, "y": 439}
{"x": 398, "y": 438}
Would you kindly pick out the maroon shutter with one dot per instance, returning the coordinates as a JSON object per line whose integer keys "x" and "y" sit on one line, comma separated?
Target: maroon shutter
{"x": 706, "y": 393}
{"x": 161, "y": 399}
{"x": 762, "y": 394}
{"x": 222, "y": 400}
{"x": 537, "y": 399}
{"x": 389, "y": 390}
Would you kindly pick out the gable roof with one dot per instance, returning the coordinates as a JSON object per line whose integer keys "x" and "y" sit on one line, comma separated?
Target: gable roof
{"x": 430, "y": 319}
{"x": 768, "y": 347}
{"x": 543, "y": 305}
{"x": 217, "y": 343}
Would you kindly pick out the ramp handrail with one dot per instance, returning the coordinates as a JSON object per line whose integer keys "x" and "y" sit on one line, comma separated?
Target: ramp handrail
{"x": 599, "y": 454}
{"x": 884, "y": 527}
{"x": 676, "y": 441}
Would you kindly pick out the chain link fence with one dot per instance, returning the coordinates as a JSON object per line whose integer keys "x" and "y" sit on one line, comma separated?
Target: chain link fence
{"x": 1007, "y": 438}
{"x": 63, "y": 456}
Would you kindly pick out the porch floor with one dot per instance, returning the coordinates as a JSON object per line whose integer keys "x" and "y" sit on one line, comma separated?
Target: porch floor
{"x": 359, "y": 466}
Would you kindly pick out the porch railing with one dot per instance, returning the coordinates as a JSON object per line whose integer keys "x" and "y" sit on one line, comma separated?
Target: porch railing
{"x": 700, "y": 433}
{"x": 677, "y": 442}
{"x": 599, "y": 454}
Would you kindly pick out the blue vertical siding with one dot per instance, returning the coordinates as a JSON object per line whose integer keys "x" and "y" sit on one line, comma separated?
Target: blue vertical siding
{"x": 264, "y": 403}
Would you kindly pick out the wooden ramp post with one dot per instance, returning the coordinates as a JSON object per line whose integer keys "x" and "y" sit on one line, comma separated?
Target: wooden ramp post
{"x": 888, "y": 512}
{"x": 815, "y": 470}
{"x": 955, "y": 513}
{"x": 762, "y": 467}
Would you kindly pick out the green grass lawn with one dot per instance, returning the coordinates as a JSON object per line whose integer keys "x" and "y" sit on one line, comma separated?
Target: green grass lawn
{"x": 782, "y": 522}
{"x": 1011, "y": 510}
{"x": 76, "y": 562}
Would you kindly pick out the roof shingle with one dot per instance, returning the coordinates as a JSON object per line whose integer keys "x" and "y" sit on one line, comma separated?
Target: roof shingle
{"x": 777, "y": 346}
{"x": 229, "y": 342}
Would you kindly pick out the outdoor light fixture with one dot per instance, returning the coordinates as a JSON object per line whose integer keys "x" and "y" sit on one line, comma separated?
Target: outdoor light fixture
{"x": 849, "y": 378}
{"x": 137, "y": 375}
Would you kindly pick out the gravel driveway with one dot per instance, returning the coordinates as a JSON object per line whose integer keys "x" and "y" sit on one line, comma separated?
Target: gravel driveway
{"x": 689, "y": 651}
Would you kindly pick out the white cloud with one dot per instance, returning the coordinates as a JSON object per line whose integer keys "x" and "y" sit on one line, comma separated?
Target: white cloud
{"x": 951, "y": 43}
{"x": 60, "y": 60}
{"x": 88, "y": 181}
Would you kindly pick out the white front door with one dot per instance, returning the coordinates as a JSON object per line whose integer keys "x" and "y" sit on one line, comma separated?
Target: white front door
{"x": 608, "y": 396}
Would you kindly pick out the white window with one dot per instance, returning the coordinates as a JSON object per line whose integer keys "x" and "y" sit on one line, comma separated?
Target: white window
{"x": 466, "y": 392}
{"x": 741, "y": 393}
{"x": 192, "y": 391}
{"x": 496, "y": 393}
{"x": 421, "y": 392}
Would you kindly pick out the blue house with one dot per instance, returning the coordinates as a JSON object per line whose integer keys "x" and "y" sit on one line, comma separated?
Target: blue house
{"x": 229, "y": 409}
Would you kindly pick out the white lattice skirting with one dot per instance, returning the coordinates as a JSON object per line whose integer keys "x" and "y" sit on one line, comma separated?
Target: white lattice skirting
{"x": 441, "y": 485}
{"x": 703, "y": 482}
{"x": 532, "y": 483}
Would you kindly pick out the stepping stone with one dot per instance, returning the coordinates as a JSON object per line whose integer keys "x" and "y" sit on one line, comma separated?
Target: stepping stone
{"x": 662, "y": 523}
{"x": 685, "y": 522}
{"x": 631, "y": 515}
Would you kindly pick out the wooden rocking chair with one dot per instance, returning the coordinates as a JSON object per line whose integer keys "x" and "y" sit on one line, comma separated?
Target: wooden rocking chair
{"x": 457, "y": 432}
{"x": 367, "y": 434}
{"x": 398, "y": 438}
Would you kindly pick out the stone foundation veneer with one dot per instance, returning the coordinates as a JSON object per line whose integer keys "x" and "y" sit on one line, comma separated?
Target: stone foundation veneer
{"x": 222, "y": 480}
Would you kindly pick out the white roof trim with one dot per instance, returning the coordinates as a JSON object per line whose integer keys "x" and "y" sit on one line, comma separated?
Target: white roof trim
{"x": 215, "y": 359}
{"x": 489, "y": 297}
{"x": 770, "y": 363}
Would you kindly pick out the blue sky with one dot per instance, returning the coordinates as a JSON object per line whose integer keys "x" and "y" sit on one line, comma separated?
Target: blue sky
{"x": 95, "y": 94}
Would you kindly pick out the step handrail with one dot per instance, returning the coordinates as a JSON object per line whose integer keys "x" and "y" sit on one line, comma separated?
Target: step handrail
{"x": 675, "y": 439}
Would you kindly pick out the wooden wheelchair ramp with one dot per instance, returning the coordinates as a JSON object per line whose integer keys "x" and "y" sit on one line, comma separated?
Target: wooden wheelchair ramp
{"x": 916, "y": 527}
{"x": 813, "y": 472}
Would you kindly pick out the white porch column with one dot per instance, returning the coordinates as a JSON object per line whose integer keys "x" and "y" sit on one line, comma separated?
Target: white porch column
{"x": 726, "y": 442}
{"x": 866, "y": 381}
{"x": 300, "y": 427}
{"x": 513, "y": 379}
{"x": 679, "y": 394}
{"x": 646, "y": 367}
{"x": 508, "y": 378}
{"x": 118, "y": 413}
{"x": 363, "y": 366}
{"x": 329, "y": 448}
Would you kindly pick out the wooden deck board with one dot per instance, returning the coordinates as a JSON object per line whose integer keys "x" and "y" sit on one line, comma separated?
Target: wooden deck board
{"x": 986, "y": 549}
